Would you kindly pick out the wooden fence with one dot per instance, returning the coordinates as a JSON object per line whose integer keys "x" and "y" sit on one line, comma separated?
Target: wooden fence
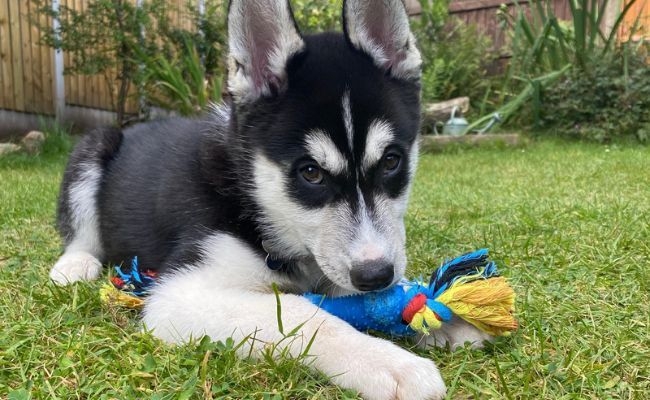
{"x": 28, "y": 72}
{"x": 638, "y": 17}
{"x": 26, "y": 68}
{"x": 483, "y": 14}
{"x": 100, "y": 91}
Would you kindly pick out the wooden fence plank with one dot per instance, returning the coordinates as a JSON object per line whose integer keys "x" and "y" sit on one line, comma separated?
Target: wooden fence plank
{"x": 72, "y": 93}
{"x": 70, "y": 81}
{"x": 17, "y": 54}
{"x": 78, "y": 86}
{"x": 37, "y": 65}
{"x": 28, "y": 76}
{"x": 6, "y": 79}
{"x": 47, "y": 65}
{"x": 75, "y": 80}
{"x": 2, "y": 19}
{"x": 25, "y": 44}
{"x": 83, "y": 92}
{"x": 100, "y": 99}
{"x": 641, "y": 11}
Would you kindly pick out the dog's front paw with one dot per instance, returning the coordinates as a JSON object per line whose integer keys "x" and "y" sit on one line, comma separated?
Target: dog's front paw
{"x": 380, "y": 370}
{"x": 76, "y": 266}
{"x": 455, "y": 334}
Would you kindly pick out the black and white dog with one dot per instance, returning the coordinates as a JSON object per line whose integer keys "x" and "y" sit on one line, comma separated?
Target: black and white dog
{"x": 302, "y": 181}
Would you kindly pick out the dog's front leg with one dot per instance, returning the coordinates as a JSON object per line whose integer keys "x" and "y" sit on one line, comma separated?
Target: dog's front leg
{"x": 196, "y": 302}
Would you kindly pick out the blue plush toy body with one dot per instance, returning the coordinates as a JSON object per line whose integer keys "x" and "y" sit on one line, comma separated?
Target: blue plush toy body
{"x": 379, "y": 311}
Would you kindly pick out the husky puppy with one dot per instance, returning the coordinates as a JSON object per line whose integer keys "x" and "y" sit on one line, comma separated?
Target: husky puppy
{"x": 301, "y": 181}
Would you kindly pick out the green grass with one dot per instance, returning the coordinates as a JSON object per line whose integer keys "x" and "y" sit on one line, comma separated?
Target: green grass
{"x": 570, "y": 223}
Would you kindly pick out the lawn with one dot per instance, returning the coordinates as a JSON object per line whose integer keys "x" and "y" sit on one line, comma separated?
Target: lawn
{"x": 568, "y": 222}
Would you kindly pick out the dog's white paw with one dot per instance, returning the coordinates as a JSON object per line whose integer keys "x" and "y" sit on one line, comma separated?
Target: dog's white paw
{"x": 75, "y": 266}
{"x": 455, "y": 334}
{"x": 381, "y": 370}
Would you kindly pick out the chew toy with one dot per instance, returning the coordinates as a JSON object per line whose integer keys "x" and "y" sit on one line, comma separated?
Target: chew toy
{"x": 128, "y": 288}
{"x": 468, "y": 286}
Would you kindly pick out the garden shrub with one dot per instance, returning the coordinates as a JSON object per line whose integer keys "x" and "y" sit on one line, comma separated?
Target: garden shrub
{"x": 575, "y": 78}
{"x": 455, "y": 64}
{"x": 455, "y": 55}
{"x": 209, "y": 39}
{"x": 611, "y": 100}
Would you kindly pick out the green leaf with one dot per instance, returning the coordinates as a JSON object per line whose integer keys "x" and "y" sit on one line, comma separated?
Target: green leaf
{"x": 19, "y": 394}
{"x": 149, "y": 363}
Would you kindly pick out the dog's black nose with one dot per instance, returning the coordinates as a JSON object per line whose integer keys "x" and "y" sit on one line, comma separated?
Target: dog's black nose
{"x": 372, "y": 275}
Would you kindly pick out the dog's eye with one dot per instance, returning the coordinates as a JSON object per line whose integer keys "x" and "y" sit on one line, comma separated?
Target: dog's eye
{"x": 312, "y": 174}
{"x": 391, "y": 162}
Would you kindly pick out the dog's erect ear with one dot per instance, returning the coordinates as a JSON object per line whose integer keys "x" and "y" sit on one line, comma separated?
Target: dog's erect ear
{"x": 262, "y": 36}
{"x": 381, "y": 29}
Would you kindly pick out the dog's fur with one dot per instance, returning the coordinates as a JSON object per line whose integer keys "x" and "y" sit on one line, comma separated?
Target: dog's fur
{"x": 310, "y": 165}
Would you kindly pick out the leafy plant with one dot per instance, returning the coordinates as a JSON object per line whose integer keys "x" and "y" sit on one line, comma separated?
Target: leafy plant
{"x": 180, "y": 83}
{"x": 102, "y": 39}
{"x": 317, "y": 15}
{"x": 184, "y": 71}
{"x": 456, "y": 63}
{"x": 455, "y": 55}
{"x": 542, "y": 43}
{"x": 612, "y": 101}
{"x": 209, "y": 38}
{"x": 545, "y": 48}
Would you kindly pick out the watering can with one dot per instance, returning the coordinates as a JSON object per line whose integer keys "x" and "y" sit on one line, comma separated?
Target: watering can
{"x": 457, "y": 126}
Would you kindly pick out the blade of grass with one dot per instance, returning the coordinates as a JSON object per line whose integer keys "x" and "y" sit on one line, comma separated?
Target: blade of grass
{"x": 278, "y": 307}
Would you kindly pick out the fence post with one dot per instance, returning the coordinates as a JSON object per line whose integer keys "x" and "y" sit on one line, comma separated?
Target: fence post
{"x": 59, "y": 82}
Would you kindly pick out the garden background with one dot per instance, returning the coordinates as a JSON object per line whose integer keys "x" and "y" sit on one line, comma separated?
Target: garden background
{"x": 117, "y": 60}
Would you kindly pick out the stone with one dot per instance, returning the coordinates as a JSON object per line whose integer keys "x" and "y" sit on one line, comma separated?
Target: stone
{"x": 33, "y": 142}
{"x": 6, "y": 148}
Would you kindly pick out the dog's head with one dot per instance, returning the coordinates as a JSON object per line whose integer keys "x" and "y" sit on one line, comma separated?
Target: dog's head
{"x": 329, "y": 127}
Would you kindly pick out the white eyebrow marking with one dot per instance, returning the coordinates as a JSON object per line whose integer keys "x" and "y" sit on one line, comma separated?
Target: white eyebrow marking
{"x": 347, "y": 119}
{"x": 323, "y": 150}
{"x": 380, "y": 135}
